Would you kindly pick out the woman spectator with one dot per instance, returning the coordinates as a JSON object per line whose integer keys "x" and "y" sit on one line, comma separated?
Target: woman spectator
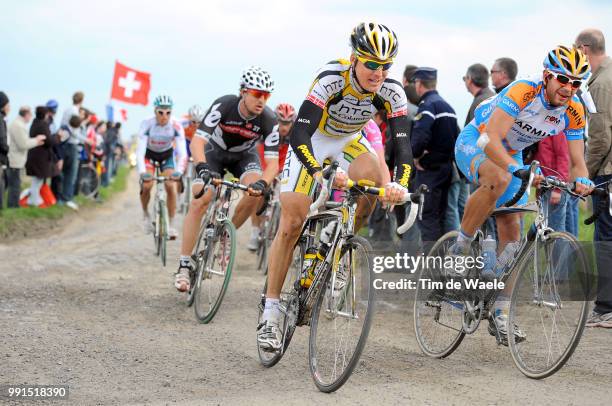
{"x": 41, "y": 161}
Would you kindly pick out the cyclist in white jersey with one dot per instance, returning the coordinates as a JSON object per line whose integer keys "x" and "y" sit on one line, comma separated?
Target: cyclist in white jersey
{"x": 157, "y": 138}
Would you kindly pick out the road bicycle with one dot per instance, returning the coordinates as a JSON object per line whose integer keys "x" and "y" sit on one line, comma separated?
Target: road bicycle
{"x": 160, "y": 215}
{"x": 328, "y": 285}
{"x": 549, "y": 274}
{"x": 215, "y": 251}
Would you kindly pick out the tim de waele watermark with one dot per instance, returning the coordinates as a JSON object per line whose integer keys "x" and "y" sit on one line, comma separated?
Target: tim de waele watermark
{"x": 458, "y": 265}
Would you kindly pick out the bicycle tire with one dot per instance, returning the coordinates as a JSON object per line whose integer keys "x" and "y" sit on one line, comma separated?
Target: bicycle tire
{"x": 163, "y": 234}
{"x": 319, "y": 320}
{"x": 556, "y": 310}
{"x": 89, "y": 182}
{"x": 437, "y": 301}
{"x": 156, "y": 230}
{"x": 226, "y": 228}
{"x": 200, "y": 250}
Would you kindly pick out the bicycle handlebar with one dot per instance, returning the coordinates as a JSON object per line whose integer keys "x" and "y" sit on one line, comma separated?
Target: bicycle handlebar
{"x": 416, "y": 198}
{"x": 220, "y": 181}
{"x": 551, "y": 182}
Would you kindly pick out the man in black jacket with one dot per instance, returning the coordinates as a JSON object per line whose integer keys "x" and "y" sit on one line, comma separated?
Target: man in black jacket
{"x": 433, "y": 136}
{"x": 5, "y": 107}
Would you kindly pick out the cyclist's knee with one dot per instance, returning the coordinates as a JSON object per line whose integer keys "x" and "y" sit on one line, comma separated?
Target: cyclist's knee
{"x": 199, "y": 206}
{"x": 170, "y": 187}
{"x": 290, "y": 225}
{"x": 496, "y": 181}
{"x": 147, "y": 186}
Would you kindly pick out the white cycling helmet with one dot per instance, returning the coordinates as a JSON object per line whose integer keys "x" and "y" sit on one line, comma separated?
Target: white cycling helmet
{"x": 256, "y": 78}
{"x": 163, "y": 101}
{"x": 196, "y": 113}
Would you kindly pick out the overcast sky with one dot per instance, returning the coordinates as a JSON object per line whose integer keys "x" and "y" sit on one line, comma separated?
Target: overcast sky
{"x": 196, "y": 50}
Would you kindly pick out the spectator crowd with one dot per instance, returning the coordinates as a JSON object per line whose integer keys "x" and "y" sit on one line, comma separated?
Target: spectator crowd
{"x": 51, "y": 152}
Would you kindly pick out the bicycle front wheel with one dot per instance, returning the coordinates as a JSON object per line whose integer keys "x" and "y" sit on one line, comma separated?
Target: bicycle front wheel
{"x": 215, "y": 271}
{"x": 341, "y": 316}
{"x": 438, "y": 317}
{"x": 163, "y": 231}
{"x": 549, "y": 305}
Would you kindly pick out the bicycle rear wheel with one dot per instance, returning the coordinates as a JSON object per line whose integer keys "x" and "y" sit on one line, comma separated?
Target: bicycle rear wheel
{"x": 549, "y": 305}
{"x": 341, "y": 316}
{"x": 215, "y": 271}
{"x": 88, "y": 181}
{"x": 438, "y": 318}
{"x": 288, "y": 306}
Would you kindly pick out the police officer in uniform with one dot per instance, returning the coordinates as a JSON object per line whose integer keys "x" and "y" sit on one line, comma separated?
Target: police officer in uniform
{"x": 434, "y": 131}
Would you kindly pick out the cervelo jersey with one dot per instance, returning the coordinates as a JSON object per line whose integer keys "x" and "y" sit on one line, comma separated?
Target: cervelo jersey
{"x": 157, "y": 138}
{"x": 335, "y": 108}
{"x": 345, "y": 110}
{"x": 534, "y": 117}
{"x": 227, "y": 129}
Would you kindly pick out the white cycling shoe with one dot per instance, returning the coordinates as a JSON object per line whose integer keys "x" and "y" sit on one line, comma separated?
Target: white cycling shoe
{"x": 181, "y": 279}
{"x": 269, "y": 336}
{"x": 253, "y": 244}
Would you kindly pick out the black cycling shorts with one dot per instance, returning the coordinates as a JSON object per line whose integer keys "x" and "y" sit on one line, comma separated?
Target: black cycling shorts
{"x": 236, "y": 163}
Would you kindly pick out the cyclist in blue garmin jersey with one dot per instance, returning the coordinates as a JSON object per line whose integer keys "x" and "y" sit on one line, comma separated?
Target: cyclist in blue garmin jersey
{"x": 488, "y": 150}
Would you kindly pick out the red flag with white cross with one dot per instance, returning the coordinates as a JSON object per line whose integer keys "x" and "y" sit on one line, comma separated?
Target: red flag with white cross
{"x": 130, "y": 85}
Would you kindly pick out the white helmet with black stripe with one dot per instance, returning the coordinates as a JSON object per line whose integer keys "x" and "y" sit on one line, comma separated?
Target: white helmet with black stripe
{"x": 256, "y": 78}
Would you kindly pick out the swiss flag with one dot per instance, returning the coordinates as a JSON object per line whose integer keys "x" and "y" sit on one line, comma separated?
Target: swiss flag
{"x": 130, "y": 85}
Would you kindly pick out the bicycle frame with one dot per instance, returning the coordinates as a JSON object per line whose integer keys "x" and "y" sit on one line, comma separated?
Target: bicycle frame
{"x": 538, "y": 232}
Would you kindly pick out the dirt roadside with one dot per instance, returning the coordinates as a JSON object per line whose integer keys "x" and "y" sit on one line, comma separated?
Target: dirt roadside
{"x": 92, "y": 307}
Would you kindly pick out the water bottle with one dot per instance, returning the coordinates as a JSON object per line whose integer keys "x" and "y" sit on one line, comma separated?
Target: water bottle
{"x": 307, "y": 267}
{"x": 328, "y": 232}
{"x": 506, "y": 256}
{"x": 489, "y": 245}
{"x": 325, "y": 240}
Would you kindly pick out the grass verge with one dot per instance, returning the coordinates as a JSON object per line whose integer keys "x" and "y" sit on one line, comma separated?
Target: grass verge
{"x": 25, "y": 220}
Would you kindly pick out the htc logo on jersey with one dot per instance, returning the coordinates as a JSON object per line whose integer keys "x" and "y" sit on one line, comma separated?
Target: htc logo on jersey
{"x": 306, "y": 154}
{"x": 303, "y": 120}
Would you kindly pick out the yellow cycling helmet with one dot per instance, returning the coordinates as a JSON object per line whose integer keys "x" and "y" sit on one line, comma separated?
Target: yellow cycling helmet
{"x": 568, "y": 61}
{"x": 374, "y": 41}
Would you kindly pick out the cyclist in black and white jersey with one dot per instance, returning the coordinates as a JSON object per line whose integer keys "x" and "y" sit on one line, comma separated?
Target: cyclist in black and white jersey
{"x": 342, "y": 99}
{"x": 226, "y": 141}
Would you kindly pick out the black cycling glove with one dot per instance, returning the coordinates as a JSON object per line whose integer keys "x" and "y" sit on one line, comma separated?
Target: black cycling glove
{"x": 203, "y": 171}
{"x": 259, "y": 186}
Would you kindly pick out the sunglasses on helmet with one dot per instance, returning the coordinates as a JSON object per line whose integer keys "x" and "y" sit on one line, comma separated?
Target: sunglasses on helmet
{"x": 259, "y": 93}
{"x": 374, "y": 65}
{"x": 564, "y": 80}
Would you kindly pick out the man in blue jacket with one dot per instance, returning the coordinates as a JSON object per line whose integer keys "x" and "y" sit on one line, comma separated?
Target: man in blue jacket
{"x": 433, "y": 136}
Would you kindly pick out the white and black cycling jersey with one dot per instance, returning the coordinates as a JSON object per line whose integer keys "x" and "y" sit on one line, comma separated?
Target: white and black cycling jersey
{"x": 227, "y": 129}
